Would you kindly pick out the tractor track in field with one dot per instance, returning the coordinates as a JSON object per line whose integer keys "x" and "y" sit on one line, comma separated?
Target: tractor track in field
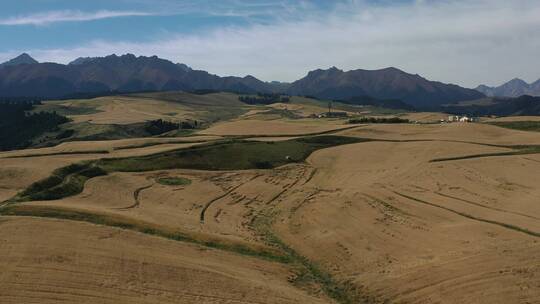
{"x": 207, "y": 205}
{"x": 137, "y": 201}
{"x": 472, "y": 217}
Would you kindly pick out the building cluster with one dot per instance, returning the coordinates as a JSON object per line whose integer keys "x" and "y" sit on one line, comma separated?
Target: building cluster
{"x": 330, "y": 115}
{"x": 464, "y": 118}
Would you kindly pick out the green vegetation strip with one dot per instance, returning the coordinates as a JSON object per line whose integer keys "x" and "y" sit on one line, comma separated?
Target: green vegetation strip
{"x": 174, "y": 181}
{"x": 518, "y": 125}
{"x": 472, "y": 217}
{"x": 64, "y": 182}
{"x": 60, "y": 153}
{"x": 381, "y": 120}
{"x": 139, "y": 226}
{"x": 307, "y": 272}
{"x": 225, "y": 155}
{"x": 518, "y": 150}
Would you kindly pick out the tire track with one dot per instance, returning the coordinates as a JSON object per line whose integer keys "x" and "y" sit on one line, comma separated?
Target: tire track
{"x": 472, "y": 217}
{"x": 311, "y": 175}
{"x": 205, "y": 208}
{"x": 136, "y": 199}
{"x": 487, "y": 207}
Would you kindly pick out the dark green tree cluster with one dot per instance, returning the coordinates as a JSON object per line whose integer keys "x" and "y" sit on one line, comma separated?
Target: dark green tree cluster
{"x": 19, "y": 126}
{"x": 264, "y": 99}
{"x": 391, "y": 120}
{"x": 160, "y": 126}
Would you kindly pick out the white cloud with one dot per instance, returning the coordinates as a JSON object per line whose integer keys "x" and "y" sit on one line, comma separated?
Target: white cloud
{"x": 463, "y": 42}
{"x": 67, "y": 16}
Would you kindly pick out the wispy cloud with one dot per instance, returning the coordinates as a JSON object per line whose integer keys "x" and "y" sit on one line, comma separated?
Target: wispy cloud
{"x": 463, "y": 42}
{"x": 45, "y": 18}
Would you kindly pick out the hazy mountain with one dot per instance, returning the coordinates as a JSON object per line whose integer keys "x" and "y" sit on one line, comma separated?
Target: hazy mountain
{"x": 389, "y": 83}
{"x": 21, "y": 59}
{"x": 126, "y": 73}
{"x": 513, "y": 88}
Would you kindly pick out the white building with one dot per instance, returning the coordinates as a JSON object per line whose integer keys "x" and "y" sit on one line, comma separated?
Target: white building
{"x": 464, "y": 118}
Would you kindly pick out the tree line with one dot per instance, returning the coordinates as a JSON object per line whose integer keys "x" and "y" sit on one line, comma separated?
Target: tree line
{"x": 160, "y": 126}
{"x": 263, "y": 98}
{"x": 391, "y": 120}
{"x": 19, "y": 126}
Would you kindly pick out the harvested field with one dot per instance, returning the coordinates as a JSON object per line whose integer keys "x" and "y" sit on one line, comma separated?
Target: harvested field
{"x": 273, "y": 127}
{"x": 77, "y": 262}
{"x": 358, "y": 221}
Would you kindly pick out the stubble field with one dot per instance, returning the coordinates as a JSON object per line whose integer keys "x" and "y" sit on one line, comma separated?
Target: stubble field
{"x": 408, "y": 213}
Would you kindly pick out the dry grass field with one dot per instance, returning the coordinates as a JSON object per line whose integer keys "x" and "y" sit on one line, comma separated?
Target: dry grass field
{"x": 402, "y": 213}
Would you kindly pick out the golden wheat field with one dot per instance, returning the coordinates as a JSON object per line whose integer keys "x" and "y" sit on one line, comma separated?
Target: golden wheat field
{"x": 399, "y": 213}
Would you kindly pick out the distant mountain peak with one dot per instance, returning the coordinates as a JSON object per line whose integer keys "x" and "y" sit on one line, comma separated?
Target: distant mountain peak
{"x": 513, "y": 88}
{"x": 24, "y": 58}
{"x": 516, "y": 81}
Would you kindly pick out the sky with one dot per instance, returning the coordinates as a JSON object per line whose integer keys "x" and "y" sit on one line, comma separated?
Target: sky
{"x": 454, "y": 41}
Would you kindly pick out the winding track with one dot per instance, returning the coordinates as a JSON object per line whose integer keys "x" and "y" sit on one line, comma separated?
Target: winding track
{"x": 136, "y": 194}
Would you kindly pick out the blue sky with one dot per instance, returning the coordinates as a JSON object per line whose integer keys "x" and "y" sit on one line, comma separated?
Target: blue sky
{"x": 464, "y": 42}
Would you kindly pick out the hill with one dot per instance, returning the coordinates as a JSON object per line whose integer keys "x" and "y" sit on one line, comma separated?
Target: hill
{"x": 389, "y": 83}
{"x": 513, "y": 88}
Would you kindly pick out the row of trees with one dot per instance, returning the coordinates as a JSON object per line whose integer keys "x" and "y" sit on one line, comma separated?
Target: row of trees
{"x": 390, "y": 120}
{"x": 263, "y": 98}
{"x": 160, "y": 126}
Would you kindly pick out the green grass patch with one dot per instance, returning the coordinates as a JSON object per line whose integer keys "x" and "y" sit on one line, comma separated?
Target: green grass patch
{"x": 519, "y": 125}
{"x": 174, "y": 181}
{"x": 228, "y": 155}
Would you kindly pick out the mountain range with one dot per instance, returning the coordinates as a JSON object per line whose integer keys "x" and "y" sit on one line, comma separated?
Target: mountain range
{"x": 24, "y": 76}
{"x": 513, "y": 88}
{"x": 389, "y": 83}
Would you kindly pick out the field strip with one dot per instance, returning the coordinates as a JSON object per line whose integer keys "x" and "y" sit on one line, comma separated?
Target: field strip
{"x": 58, "y": 153}
{"x": 484, "y": 206}
{"x": 123, "y": 222}
{"x": 472, "y": 217}
{"x": 327, "y": 132}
